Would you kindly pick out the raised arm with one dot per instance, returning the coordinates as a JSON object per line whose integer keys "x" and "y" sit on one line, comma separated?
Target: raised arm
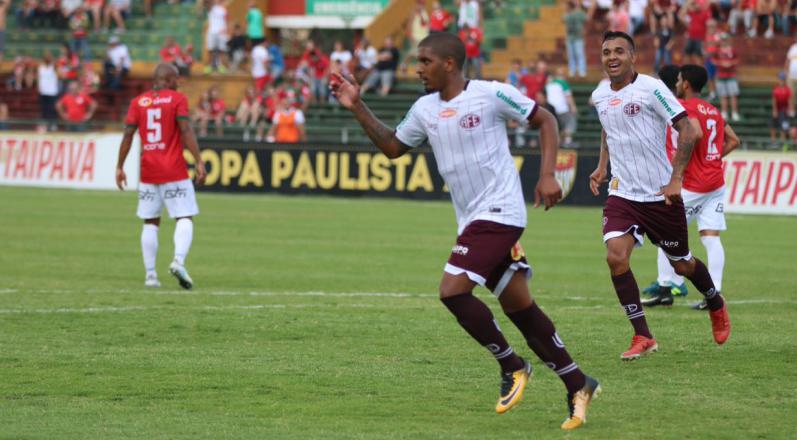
{"x": 347, "y": 93}
{"x": 548, "y": 189}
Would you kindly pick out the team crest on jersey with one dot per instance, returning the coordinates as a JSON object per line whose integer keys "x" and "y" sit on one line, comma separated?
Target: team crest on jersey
{"x": 615, "y": 102}
{"x": 470, "y": 121}
{"x": 448, "y": 113}
{"x": 145, "y": 101}
{"x": 632, "y": 109}
{"x": 565, "y": 171}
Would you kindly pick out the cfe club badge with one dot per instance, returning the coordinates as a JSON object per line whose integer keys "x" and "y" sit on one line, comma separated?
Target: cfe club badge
{"x": 566, "y": 171}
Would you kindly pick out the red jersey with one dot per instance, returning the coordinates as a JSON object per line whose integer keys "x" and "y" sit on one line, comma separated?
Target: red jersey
{"x": 217, "y": 106}
{"x": 533, "y": 83}
{"x": 697, "y": 24}
{"x": 472, "y": 39}
{"x": 726, "y": 61}
{"x": 170, "y": 54}
{"x": 704, "y": 172}
{"x": 438, "y": 20}
{"x": 781, "y": 94}
{"x": 155, "y": 114}
{"x": 76, "y": 106}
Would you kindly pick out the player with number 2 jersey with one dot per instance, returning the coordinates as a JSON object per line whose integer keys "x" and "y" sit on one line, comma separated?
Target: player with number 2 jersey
{"x": 161, "y": 118}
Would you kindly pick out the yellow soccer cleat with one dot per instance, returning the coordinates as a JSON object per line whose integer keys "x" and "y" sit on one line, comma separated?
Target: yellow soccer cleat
{"x": 512, "y": 386}
{"x": 578, "y": 402}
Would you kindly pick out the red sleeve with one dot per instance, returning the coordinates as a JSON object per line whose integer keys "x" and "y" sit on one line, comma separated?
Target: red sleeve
{"x": 165, "y": 54}
{"x": 132, "y": 114}
{"x": 181, "y": 106}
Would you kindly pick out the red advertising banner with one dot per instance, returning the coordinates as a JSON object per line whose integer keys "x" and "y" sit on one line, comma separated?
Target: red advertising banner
{"x": 761, "y": 182}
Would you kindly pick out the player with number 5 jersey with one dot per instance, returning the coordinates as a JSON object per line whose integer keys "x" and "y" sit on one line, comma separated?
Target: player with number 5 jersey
{"x": 161, "y": 118}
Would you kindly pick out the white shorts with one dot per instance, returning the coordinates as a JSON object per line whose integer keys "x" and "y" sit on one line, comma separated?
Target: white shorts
{"x": 708, "y": 208}
{"x": 216, "y": 42}
{"x": 178, "y": 197}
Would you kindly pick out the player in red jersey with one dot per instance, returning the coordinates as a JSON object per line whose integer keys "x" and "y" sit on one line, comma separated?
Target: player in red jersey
{"x": 704, "y": 184}
{"x": 161, "y": 117}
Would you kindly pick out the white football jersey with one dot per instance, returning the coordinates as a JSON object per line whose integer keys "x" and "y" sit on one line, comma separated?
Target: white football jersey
{"x": 469, "y": 140}
{"x": 635, "y": 119}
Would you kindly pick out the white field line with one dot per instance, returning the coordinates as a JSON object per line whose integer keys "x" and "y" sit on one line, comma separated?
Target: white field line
{"x": 123, "y": 309}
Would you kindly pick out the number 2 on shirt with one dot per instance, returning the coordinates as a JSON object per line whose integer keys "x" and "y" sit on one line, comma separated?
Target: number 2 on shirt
{"x": 154, "y": 132}
{"x": 711, "y": 126}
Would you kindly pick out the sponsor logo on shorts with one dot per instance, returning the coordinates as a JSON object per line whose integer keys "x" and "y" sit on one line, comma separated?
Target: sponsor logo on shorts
{"x": 448, "y": 113}
{"x": 459, "y": 250}
{"x": 669, "y": 244}
{"x": 495, "y": 210}
{"x": 470, "y": 121}
{"x": 632, "y": 109}
{"x": 517, "y": 252}
{"x": 146, "y": 195}
{"x": 178, "y": 193}
{"x": 605, "y": 220}
{"x": 720, "y": 208}
{"x": 615, "y": 102}
{"x": 694, "y": 210}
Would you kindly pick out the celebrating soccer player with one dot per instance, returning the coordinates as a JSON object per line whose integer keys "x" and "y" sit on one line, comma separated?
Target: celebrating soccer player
{"x": 465, "y": 123}
{"x": 704, "y": 184}
{"x": 645, "y": 189}
{"x": 161, "y": 117}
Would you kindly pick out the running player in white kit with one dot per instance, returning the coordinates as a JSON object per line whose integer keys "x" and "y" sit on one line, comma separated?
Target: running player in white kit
{"x": 645, "y": 189}
{"x": 465, "y": 124}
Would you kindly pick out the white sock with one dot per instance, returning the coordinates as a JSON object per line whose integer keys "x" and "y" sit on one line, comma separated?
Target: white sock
{"x": 183, "y": 234}
{"x": 716, "y": 259}
{"x": 666, "y": 272}
{"x": 149, "y": 246}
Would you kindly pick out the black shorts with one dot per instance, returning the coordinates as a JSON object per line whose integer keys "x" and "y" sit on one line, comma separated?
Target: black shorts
{"x": 489, "y": 253}
{"x": 664, "y": 224}
{"x": 693, "y": 47}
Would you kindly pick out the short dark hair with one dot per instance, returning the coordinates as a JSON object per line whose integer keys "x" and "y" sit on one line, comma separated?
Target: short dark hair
{"x": 445, "y": 45}
{"x": 669, "y": 75}
{"x": 613, "y": 35}
{"x": 695, "y": 75}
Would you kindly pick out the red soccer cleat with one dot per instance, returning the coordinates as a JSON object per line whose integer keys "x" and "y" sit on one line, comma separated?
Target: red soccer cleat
{"x": 720, "y": 324}
{"x": 640, "y": 346}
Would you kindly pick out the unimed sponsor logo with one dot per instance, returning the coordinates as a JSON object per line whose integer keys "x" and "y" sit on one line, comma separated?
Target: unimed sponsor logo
{"x": 664, "y": 103}
{"x": 511, "y": 103}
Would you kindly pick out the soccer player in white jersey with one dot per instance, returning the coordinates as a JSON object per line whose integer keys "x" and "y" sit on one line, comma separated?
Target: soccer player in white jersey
{"x": 645, "y": 189}
{"x": 465, "y": 124}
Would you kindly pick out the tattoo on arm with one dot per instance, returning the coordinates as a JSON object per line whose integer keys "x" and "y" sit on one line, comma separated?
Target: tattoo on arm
{"x": 686, "y": 143}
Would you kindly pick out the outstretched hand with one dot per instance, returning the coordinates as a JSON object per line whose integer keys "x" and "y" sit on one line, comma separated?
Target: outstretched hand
{"x": 346, "y": 91}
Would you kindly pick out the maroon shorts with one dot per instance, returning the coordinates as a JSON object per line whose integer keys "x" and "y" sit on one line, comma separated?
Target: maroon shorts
{"x": 664, "y": 224}
{"x": 489, "y": 253}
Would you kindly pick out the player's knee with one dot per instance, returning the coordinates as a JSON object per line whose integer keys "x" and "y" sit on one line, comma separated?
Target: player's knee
{"x": 683, "y": 268}
{"x": 616, "y": 259}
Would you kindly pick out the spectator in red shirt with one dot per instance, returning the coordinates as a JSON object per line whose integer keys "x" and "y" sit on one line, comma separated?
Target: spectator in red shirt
{"x": 217, "y": 110}
{"x": 535, "y": 78}
{"x": 172, "y": 53}
{"x": 727, "y": 85}
{"x": 697, "y": 15}
{"x": 249, "y": 111}
{"x": 439, "y": 19}
{"x": 781, "y": 97}
{"x": 472, "y": 38}
{"x": 317, "y": 63}
{"x": 76, "y": 107}
{"x": 712, "y": 46}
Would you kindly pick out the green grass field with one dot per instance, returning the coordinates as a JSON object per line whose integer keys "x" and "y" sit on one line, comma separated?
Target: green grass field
{"x": 318, "y": 318}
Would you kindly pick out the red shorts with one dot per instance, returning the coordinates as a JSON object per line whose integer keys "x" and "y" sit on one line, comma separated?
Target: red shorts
{"x": 489, "y": 253}
{"x": 664, "y": 225}
{"x": 261, "y": 82}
